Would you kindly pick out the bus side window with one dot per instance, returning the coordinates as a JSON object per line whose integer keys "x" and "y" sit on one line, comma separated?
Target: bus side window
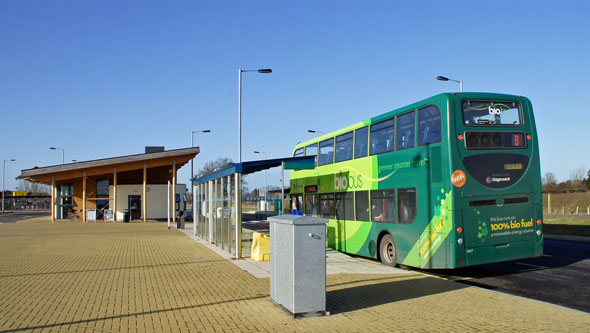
{"x": 345, "y": 206}
{"x": 383, "y": 206}
{"x": 327, "y": 205}
{"x": 405, "y": 130}
{"x": 429, "y": 125}
{"x": 361, "y": 204}
{"x": 406, "y": 203}
{"x": 311, "y": 205}
{"x": 361, "y": 137}
{"x": 382, "y": 136}
{"x": 326, "y": 155}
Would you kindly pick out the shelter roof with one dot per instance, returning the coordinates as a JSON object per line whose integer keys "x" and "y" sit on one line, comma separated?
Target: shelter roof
{"x": 155, "y": 161}
{"x": 291, "y": 163}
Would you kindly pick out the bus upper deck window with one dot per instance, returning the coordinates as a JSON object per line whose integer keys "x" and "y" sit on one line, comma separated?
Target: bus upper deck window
{"x": 429, "y": 125}
{"x": 491, "y": 113}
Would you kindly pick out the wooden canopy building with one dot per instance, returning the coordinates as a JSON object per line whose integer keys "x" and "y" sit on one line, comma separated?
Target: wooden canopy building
{"x": 77, "y": 187}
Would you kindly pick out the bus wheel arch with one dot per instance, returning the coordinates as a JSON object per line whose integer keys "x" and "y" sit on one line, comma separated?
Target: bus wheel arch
{"x": 387, "y": 249}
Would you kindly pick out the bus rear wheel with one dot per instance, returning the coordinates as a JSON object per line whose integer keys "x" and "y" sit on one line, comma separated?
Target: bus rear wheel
{"x": 387, "y": 250}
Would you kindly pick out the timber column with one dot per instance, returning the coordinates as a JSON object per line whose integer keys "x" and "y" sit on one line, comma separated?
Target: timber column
{"x": 144, "y": 196}
{"x": 84, "y": 197}
{"x": 52, "y": 199}
{"x": 174, "y": 191}
{"x": 115, "y": 194}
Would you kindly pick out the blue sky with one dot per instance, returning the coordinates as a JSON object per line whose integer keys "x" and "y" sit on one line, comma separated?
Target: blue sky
{"x": 106, "y": 78}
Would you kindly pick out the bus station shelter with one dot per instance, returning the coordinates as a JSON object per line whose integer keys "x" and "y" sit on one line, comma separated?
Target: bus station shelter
{"x": 136, "y": 185}
{"x": 217, "y": 199}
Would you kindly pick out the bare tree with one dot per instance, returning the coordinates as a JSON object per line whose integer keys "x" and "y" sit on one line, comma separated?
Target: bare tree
{"x": 577, "y": 175}
{"x": 33, "y": 188}
{"x": 212, "y": 165}
{"x": 549, "y": 179}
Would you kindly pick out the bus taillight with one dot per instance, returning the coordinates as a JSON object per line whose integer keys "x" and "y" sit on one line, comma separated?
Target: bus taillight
{"x": 460, "y": 137}
{"x": 459, "y": 230}
{"x": 528, "y": 137}
{"x": 539, "y": 222}
{"x": 460, "y": 241}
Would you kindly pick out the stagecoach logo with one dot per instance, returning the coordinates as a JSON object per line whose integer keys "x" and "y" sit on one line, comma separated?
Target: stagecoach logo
{"x": 490, "y": 180}
{"x": 458, "y": 178}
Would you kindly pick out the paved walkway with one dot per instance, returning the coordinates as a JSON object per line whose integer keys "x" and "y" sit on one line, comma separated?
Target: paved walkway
{"x": 72, "y": 276}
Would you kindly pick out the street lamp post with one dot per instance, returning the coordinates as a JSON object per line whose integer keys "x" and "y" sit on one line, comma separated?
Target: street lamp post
{"x": 240, "y": 71}
{"x": 265, "y": 188}
{"x": 314, "y": 131}
{"x": 3, "y": 176}
{"x": 192, "y": 145}
{"x": 62, "y": 153}
{"x": 442, "y": 78}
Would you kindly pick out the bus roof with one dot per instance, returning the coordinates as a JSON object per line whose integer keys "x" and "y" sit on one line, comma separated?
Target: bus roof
{"x": 402, "y": 109}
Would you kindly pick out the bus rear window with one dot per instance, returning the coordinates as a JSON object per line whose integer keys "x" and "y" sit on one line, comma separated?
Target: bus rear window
{"x": 491, "y": 113}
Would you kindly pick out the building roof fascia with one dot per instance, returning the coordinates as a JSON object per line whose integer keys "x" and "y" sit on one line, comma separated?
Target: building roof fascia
{"x": 29, "y": 173}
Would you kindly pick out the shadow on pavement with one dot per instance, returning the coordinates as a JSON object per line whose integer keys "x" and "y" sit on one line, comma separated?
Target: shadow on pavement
{"x": 369, "y": 295}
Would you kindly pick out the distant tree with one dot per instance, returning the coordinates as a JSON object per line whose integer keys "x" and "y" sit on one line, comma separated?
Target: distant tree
{"x": 221, "y": 161}
{"x": 33, "y": 188}
{"x": 587, "y": 181}
{"x": 549, "y": 179}
{"x": 212, "y": 165}
{"x": 577, "y": 179}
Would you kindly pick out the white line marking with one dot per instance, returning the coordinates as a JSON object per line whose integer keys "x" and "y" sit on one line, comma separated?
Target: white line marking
{"x": 537, "y": 266}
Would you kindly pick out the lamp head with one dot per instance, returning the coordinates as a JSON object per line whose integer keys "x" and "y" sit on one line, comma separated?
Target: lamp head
{"x": 265, "y": 71}
{"x": 442, "y": 78}
{"x": 207, "y": 131}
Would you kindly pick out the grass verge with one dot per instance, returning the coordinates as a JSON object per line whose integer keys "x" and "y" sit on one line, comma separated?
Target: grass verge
{"x": 567, "y": 226}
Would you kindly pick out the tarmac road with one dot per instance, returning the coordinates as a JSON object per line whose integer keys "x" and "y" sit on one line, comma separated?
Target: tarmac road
{"x": 561, "y": 276}
{"x": 15, "y": 216}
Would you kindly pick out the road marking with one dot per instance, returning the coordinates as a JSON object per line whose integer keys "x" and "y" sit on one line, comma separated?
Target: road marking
{"x": 536, "y": 266}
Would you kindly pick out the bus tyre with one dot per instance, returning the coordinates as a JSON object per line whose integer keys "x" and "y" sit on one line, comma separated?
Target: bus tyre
{"x": 387, "y": 250}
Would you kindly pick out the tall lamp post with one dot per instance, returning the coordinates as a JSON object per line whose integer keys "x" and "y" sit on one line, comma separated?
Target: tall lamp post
{"x": 442, "y": 78}
{"x": 240, "y": 71}
{"x": 314, "y": 131}
{"x": 265, "y": 188}
{"x": 62, "y": 153}
{"x": 3, "y": 176}
{"x": 192, "y": 145}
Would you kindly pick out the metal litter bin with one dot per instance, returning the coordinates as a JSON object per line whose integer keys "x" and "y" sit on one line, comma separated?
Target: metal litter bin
{"x": 180, "y": 220}
{"x": 298, "y": 264}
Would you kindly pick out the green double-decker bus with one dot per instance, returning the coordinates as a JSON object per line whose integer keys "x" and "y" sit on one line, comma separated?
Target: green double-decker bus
{"x": 447, "y": 182}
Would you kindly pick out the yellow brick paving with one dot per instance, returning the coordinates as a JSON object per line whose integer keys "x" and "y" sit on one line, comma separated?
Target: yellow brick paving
{"x": 70, "y": 276}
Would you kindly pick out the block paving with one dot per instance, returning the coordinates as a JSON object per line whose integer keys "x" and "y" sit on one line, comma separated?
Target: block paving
{"x": 71, "y": 276}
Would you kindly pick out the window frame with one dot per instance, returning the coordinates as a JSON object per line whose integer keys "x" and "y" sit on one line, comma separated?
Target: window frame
{"x": 397, "y": 131}
{"x": 418, "y": 144}
{"x": 415, "y": 212}
{"x": 520, "y": 114}
{"x": 394, "y": 209}
{"x": 351, "y": 133}
{"x": 366, "y": 128}
{"x": 392, "y": 119}
{"x": 321, "y": 199}
{"x": 325, "y": 146}
{"x": 367, "y": 206}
